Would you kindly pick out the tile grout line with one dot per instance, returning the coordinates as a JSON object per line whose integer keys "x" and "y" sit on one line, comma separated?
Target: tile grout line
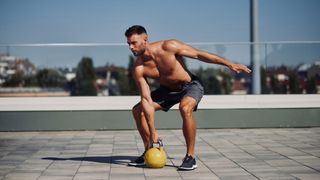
{"x": 51, "y": 139}
{"x": 137, "y": 141}
{"x": 228, "y": 159}
{"x": 83, "y": 157}
{"x": 50, "y": 163}
{"x": 289, "y": 157}
{"x": 111, "y": 160}
{"x": 175, "y": 135}
{"x": 183, "y": 142}
{"x": 251, "y": 155}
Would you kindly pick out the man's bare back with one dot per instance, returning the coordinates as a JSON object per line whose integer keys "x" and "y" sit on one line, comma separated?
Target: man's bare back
{"x": 164, "y": 66}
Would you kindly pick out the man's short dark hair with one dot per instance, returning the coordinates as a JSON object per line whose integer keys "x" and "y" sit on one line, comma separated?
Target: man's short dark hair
{"x": 135, "y": 29}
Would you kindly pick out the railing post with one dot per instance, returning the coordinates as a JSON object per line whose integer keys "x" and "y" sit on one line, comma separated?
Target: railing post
{"x": 254, "y": 48}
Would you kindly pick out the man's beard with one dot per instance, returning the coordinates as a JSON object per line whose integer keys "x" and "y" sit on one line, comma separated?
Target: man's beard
{"x": 139, "y": 53}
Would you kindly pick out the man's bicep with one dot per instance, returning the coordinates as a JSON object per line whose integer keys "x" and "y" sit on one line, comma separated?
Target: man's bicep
{"x": 183, "y": 49}
{"x": 191, "y": 52}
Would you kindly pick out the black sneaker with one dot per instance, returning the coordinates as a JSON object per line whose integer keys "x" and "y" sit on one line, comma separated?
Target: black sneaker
{"x": 138, "y": 162}
{"x": 189, "y": 163}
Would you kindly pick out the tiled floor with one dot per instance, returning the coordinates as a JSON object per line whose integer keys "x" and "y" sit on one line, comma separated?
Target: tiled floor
{"x": 221, "y": 154}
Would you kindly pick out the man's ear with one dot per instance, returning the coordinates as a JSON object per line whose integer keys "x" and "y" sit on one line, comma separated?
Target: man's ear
{"x": 145, "y": 37}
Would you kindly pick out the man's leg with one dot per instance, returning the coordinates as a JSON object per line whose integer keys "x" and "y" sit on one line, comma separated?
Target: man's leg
{"x": 143, "y": 129}
{"x": 186, "y": 108}
{"x": 142, "y": 124}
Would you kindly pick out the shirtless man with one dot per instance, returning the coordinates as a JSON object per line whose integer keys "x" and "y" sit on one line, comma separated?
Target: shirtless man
{"x": 162, "y": 61}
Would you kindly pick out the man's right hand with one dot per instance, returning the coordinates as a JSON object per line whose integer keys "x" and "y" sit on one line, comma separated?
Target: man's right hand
{"x": 154, "y": 138}
{"x": 239, "y": 68}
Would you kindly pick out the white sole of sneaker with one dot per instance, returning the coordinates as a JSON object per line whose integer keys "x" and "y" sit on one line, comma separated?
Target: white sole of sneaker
{"x": 188, "y": 169}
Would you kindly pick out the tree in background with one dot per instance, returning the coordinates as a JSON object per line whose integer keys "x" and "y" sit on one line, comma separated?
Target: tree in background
{"x": 311, "y": 85}
{"x": 294, "y": 83}
{"x": 122, "y": 78}
{"x": 48, "y": 78}
{"x": 16, "y": 80}
{"x": 214, "y": 86}
{"x": 125, "y": 79}
{"x": 210, "y": 82}
{"x": 132, "y": 88}
{"x": 45, "y": 78}
{"x": 276, "y": 86}
{"x": 264, "y": 86}
{"x": 85, "y": 78}
{"x": 226, "y": 85}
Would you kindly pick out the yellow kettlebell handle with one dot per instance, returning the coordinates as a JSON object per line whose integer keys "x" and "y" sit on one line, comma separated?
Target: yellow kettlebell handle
{"x": 159, "y": 143}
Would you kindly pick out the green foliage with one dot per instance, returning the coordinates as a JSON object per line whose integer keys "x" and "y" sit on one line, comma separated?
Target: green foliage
{"x": 311, "y": 85}
{"x": 132, "y": 87}
{"x": 294, "y": 83}
{"x": 264, "y": 88}
{"x": 226, "y": 82}
{"x": 15, "y": 80}
{"x": 31, "y": 81}
{"x": 50, "y": 78}
{"x": 213, "y": 85}
{"x": 210, "y": 82}
{"x": 85, "y": 78}
{"x": 44, "y": 78}
{"x": 277, "y": 87}
{"x": 274, "y": 83}
{"x": 125, "y": 79}
{"x": 122, "y": 79}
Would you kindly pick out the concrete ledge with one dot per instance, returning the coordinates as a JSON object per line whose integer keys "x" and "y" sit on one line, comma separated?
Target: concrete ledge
{"x": 113, "y": 113}
{"x": 122, "y": 119}
{"x": 127, "y": 102}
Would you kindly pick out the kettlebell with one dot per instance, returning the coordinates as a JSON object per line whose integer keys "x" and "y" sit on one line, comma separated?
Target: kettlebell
{"x": 156, "y": 157}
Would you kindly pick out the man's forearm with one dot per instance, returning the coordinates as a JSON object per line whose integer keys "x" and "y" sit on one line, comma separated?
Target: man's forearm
{"x": 214, "y": 59}
{"x": 148, "y": 111}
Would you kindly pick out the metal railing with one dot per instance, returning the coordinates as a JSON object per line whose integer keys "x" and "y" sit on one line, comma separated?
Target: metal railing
{"x": 287, "y": 67}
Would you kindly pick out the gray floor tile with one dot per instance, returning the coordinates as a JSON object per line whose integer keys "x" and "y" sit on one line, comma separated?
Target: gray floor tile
{"x": 221, "y": 154}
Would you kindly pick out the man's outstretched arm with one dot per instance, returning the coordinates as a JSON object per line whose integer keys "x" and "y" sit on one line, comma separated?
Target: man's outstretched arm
{"x": 183, "y": 49}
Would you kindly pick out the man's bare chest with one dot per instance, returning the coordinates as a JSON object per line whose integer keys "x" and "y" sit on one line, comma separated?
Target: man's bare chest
{"x": 159, "y": 69}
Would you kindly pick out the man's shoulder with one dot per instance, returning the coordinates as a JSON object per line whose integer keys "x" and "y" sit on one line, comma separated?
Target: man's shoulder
{"x": 138, "y": 68}
{"x": 169, "y": 41}
{"x": 138, "y": 62}
{"x": 170, "y": 44}
{"x": 166, "y": 42}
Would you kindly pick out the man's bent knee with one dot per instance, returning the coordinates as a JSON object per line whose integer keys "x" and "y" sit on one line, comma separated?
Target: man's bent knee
{"x": 136, "y": 110}
{"x": 186, "y": 109}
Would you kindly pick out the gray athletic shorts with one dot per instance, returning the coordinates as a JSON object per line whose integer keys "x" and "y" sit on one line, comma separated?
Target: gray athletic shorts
{"x": 166, "y": 98}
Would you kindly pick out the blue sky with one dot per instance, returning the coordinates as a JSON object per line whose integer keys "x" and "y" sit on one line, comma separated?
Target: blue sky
{"x": 104, "y": 21}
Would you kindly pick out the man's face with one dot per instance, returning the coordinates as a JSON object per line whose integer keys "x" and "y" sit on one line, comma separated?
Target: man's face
{"x": 137, "y": 43}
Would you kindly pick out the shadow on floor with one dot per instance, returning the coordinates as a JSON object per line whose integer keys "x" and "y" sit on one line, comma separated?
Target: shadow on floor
{"x": 123, "y": 160}
{"x": 120, "y": 160}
